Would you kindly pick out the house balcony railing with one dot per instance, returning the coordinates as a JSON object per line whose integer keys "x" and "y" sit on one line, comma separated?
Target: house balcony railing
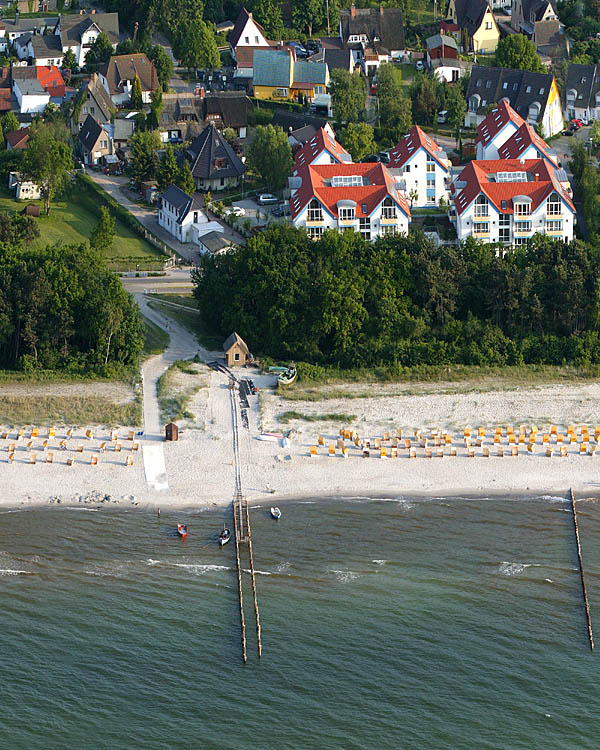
{"x": 314, "y": 222}
{"x": 347, "y": 222}
{"x": 389, "y": 219}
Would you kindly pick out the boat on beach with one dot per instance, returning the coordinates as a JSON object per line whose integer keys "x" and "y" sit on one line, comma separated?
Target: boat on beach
{"x": 270, "y": 437}
{"x": 287, "y": 377}
{"x": 276, "y": 513}
{"x": 182, "y": 530}
{"x": 224, "y": 536}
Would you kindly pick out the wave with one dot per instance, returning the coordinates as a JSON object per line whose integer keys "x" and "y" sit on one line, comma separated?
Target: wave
{"x": 549, "y": 580}
{"x": 14, "y": 572}
{"x": 150, "y": 561}
{"x": 379, "y": 562}
{"x": 514, "y": 568}
{"x": 201, "y": 569}
{"x": 282, "y": 567}
{"x": 258, "y": 572}
{"x": 344, "y": 576}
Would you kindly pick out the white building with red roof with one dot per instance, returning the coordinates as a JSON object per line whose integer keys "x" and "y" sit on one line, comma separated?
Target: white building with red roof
{"x": 499, "y": 125}
{"x": 362, "y": 197}
{"x": 507, "y": 201}
{"x": 421, "y": 168}
{"x": 525, "y": 143}
{"x": 322, "y": 148}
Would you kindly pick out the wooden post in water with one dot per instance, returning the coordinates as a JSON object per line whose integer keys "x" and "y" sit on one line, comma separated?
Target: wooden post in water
{"x": 583, "y": 586}
{"x": 239, "y": 572}
{"x": 251, "y": 556}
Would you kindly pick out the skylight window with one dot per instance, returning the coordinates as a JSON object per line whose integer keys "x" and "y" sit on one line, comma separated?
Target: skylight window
{"x": 511, "y": 177}
{"x": 347, "y": 180}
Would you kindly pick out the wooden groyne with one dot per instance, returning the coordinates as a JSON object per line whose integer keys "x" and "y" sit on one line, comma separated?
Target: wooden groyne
{"x": 581, "y": 571}
{"x": 243, "y": 533}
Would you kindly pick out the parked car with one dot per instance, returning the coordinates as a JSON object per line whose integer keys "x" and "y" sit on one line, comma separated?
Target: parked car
{"x": 283, "y": 209}
{"x": 374, "y": 85}
{"x": 568, "y": 131}
{"x": 265, "y": 199}
{"x": 301, "y": 51}
{"x": 575, "y": 124}
{"x": 373, "y": 158}
{"x": 442, "y": 116}
{"x": 420, "y": 65}
{"x": 313, "y": 45}
{"x": 384, "y": 157}
{"x": 236, "y": 211}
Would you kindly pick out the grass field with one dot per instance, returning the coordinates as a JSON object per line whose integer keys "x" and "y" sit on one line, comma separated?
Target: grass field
{"x": 155, "y": 339}
{"x": 190, "y": 320}
{"x": 71, "y": 221}
{"x": 81, "y": 410}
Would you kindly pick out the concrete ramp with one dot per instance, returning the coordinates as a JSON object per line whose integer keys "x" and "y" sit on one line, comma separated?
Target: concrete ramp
{"x": 154, "y": 467}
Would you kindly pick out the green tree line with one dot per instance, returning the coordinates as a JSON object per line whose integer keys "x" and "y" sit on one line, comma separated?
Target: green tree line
{"x": 344, "y": 301}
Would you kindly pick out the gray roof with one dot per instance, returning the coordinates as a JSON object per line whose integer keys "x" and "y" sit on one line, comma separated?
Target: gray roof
{"x": 123, "y": 128}
{"x": 451, "y": 62}
{"x": 437, "y": 40}
{"x": 90, "y": 132}
{"x": 309, "y": 72}
{"x": 383, "y": 27}
{"x": 28, "y": 24}
{"x": 521, "y": 87}
{"x": 271, "y": 67}
{"x": 125, "y": 68}
{"x": 30, "y": 86}
{"x": 335, "y": 58}
{"x": 469, "y": 14}
{"x": 537, "y": 7}
{"x": 210, "y": 156}
{"x": 215, "y": 242}
{"x": 74, "y": 25}
{"x": 585, "y": 81}
{"x": 234, "y": 338}
{"x": 181, "y": 201}
{"x": 46, "y": 45}
{"x": 93, "y": 89}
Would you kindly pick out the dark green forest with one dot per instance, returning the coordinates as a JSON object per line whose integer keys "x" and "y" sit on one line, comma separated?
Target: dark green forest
{"x": 61, "y": 309}
{"x": 347, "y": 302}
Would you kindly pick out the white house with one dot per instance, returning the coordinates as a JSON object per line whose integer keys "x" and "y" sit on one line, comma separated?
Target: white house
{"x": 247, "y": 33}
{"x": 420, "y": 168}
{"x": 184, "y": 216}
{"x": 43, "y": 49}
{"x": 507, "y": 201}
{"x": 30, "y": 95}
{"x": 525, "y": 143}
{"x": 499, "y": 125}
{"x": 583, "y": 92}
{"x": 78, "y": 32}
{"x": 362, "y": 197}
{"x": 322, "y": 148}
{"x": 25, "y": 190}
{"x": 450, "y": 69}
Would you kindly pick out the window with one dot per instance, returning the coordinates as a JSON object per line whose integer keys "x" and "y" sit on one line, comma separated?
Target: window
{"x": 365, "y": 227}
{"x": 554, "y": 205}
{"x": 247, "y": 39}
{"x": 195, "y": 217}
{"x": 554, "y": 226}
{"x": 523, "y": 226}
{"x": 346, "y": 180}
{"x": 430, "y": 195}
{"x": 481, "y": 207}
{"x": 478, "y": 84}
{"x": 314, "y": 232}
{"x": 103, "y": 144}
{"x": 541, "y": 92}
{"x": 85, "y": 109}
{"x": 488, "y": 84}
{"x": 92, "y": 109}
{"x": 505, "y": 86}
{"x": 520, "y": 240}
{"x": 522, "y": 209}
{"x": 347, "y": 214}
{"x": 482, "y": 227}
{"x": 430, "y": 180}
{"x": 488, "y": 25}
{"x": 315, "y": 213}
{"x": 407, "y": 168}
{"x": 528, "y": 90}
{"x": 515, "y": 86}
{"x": 430, "y": 164}
{"x": 256, "y": 40}
{"x": 236, "y": 356}
{"x": 388, "y": 209}
{"x": 389, "y": 229}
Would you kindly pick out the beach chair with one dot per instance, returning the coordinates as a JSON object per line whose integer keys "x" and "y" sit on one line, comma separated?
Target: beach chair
{"x": 471, "y": 453}
{"x": 35, "y": 432}
{"x": 117, "y": 447}
{"x": 481, "y": 432}
{"x": 510, "y": 430}
{"x": 102, "y": 447}
{"x": 44, "y": 444}
{"x": 549, "y": 451}
{"x": 21, "y": 433}
{"x": 113, "y": 435}
{"x": 570, "y": 429}
{"x": 399, "y": 434}
{"x": 452, "y": 451}
{"x": 377, "y": 443}
{"x": 498, "y": 431}
{"x": 70, "y": 461}
{"x": 130, "y": 434}
{"x": 500, "y": 452}
{"x": 479, "y": 442}
{"x": 512, "y": 438}
{"x": 563, "y": 451}
{"x": 4, "y": 436}
{"x": 345, "y": 451}
{"x": 339, "y": 444}
{"x": 357, "y": 441}
{"x": 559, "y": 437}
{"x": 394, "y": 442}
{"x": 50, "y": 457}
{"x": 382, "y": 451}
{"x": 592, "y": 449}
{"x": 393, "y": 452}
{"x": 312, "y": 451}
{"x": 321, "y": 440}
{"x": 468, "y": 442}
{"x": 11, "y": 447}
{"x": 531, "y": 447}
{"x": 412, "y": 453}
{"x": 545, "y": 438}
{"x": 94, "y": 460}
{"x": 386, "y": 437}
{"x": 32, "y": 458}
{"x": 572, "y": 437}
{"x": 486, "y": 452}
{"x": 437, "y": 441}
{"x": 553, "y": 429}
{"x": 129, "y": 461}
{"x": 51, "y": 432}
{"x": 439, "y": 453}
{"x": 467, "y": 432}
{"x": 428, "y": 452}
{"x": 407, "y": 444}
{"x": 423, "y": 443}
{"x": 89, "y": 434}
{"x": 332, "y": 449}
{"x": 69, "y": 433}
{"x": 135, "y": 447}
{"x": 583, "y": 448}
{"x": 366, "y": 452}
{"x": 496, "y": 439}
{"x": 11, "y": 457}
{"x": 63, "y": 445}
{"x": 448, "y": 439}
{"x": 79, "y": 449}
{"x": 514, "y": 451}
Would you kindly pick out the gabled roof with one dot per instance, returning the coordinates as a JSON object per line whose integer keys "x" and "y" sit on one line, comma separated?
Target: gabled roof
{"x": 72, "y": 27}
{"x": 496, "y": 120}
{"x": 17, "y": 138}
{"x": 521, "y": 87}
{"x": 13, "y": 25}
{"x": 383, "y": 26}
{"x": 316, "y": 182}
{"x": 90, "y": 132}
{"x": 321, "y": 141}
{"x": 537, "y": 7}
{"x": 411, "y": 143}
{"x": 235, "y": 338}
{"x": 470, "y": 13}
{"x": 182, "y": 202}
{"x": 585, "y": 80}
{"x": 48, "y": 76}
{"x": 240, "y": 25}
{"x": 96, "y": 91}
{"x": 46, "y": 45}
{"x": 481, "y": 177}
{"x": 210, "y": 156}
{"x": 272, "y": 67}
{"x": 216, "y": 242}
{"x": 29, "y": 86}
{"x": 231, "y": 107}
{"x": 441, "y": 40}
{"x": 125, "y": 68}
{"x": 123, "y": 128}
{"x": 521, "y": 140}
{"x": 336, "y": 59}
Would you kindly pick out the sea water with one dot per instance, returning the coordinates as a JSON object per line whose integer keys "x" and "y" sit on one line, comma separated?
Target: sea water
{"x": 386, "y": 623}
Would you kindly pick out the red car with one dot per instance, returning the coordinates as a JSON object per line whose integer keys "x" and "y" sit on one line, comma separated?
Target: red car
{"x": 575, "y": 124}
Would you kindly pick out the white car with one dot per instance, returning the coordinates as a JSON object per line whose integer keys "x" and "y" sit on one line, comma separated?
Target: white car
{"x": 265, "y": 199}
{"x": 236, "y": 211}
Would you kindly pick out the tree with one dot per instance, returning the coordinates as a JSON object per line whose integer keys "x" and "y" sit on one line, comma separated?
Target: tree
{"x": 9, "y": 123}
{"x": 395, "y": 110}
{"x": 136, "y": 99}
{"x": 517, "y": 51}
{"x": 424, "y": 102}
{"x": 230, "y": 136}
{"x": 195, "y": 46}
{"x": 99, "y": 52}
{"x": 348, "y": 95}
{"x": 457, "y": 108}
{"x": 103, "y": 234}
{"x": 595, "y": 132}
{"x": 46, "y": 162}
{"x": 268, "y": 14}
{"x": 357, "y": 138}
{"x": 126, "y": 47}
{"x": 308, "y": 14}
{"x": 185, "y": 178}
{"x": 270, "y": 156}
{"x": 156, "y": 108}
{"x": 163, "y": 65}
{"x": 167, "y": 172}
{"x": 143, "y": 152}
{"x": 69, "y": 63}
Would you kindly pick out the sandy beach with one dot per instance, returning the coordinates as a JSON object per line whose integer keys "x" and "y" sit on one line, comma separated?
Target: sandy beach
{"x": 200, "y": 472}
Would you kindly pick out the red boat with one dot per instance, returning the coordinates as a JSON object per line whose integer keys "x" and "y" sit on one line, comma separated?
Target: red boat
{"x": 182, "y": 530}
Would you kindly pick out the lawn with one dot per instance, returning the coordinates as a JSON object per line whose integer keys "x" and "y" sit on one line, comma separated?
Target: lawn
{"x": 190, "y": 320}
{"x": 155, "y": 339}
{"x": 71, "y": 221}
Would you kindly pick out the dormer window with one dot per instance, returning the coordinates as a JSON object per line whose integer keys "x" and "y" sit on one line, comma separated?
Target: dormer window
{"x": 522, "y": 209}
{"x": 347, "y": 213}
{"x": 315, "y": 212}
{"x": 481, "y": 207}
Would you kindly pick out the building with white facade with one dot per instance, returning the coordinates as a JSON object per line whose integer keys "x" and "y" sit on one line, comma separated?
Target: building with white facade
{"x": 25, "y": 190}
{"x": 420, "y": 168}
{"x": 79, "y": 31}
{"x": 583, "y": 92}
{"x": 322, "y": 148}
{"x": 30, "y": 95}
{"x": 362, "y": 197}
{"x": 498, "y": 126}
{"x": 525, "y": 143}
{"x": 184, "y": 216}
{"x": 507, "y": 201}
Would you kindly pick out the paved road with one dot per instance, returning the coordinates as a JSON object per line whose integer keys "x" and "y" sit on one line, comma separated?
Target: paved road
{"x": 176, "y": 281}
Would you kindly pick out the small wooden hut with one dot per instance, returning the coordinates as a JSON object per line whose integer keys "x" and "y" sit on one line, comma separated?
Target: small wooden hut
{"x": 171, "y": 431}
{"x": 236, "y": 351}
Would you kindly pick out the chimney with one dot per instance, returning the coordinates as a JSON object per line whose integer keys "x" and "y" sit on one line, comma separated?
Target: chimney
{"x": 352, "y": 10}
{"x": 381, "y": 10}
{"x": 537, "y": 176}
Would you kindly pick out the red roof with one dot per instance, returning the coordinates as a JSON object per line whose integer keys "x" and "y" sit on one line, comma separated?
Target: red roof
{"x": 496, "y": 120}
{"x": 17, "y": 138}
{"x": 449, "y": 26}
{"x": 521, "y": 140}
{"x": 5, "y": 100}
{"x": 481, "y": 177}
{"x": 316, "y": 183}
{"x": 321, "y": 141}
{"x": 411, "y": 143}
{"x": 50, "y": 79}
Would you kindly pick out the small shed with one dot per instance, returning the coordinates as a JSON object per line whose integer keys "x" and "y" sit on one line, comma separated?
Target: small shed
{"x": 236, "y": 351}
{"x": 171, "y": 431}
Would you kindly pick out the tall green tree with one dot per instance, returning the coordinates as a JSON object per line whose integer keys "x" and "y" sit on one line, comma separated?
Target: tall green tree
{"x": 395, "y": 109}
{"x": 103, "y": 234}
{"x": 268, "y": 14}
{"x": 47, "y": 161}
{"x": 156, "y": 108}
{"x": 184, "y": 178}
{"x": 457, "y": 109}
{"x": 308, "y": 14}
{"x": 136, "y": 99}
{"x": 348, "y": 95}
{"x": 100, "y": 52}
{"x": 424, "y": 101}
{"x": 69, "y": 62}
{"x": 270, "y": 156}
{"x": 357, "y": 138}
{"x": 163, "y": 64}
{"x": 9, "y": 123}
{"x": 167, "y": 172}
{"x": 517, "y": 51}
{"x": 143, "y": 153}
{"x": 195, "y": 45}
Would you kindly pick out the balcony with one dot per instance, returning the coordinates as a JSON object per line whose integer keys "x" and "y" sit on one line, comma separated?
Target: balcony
{"x": 389, "y": 220}
{"x": 347, "y": 222}
{"x": 314, "y": 222}
{"x": 520, "y": 232}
